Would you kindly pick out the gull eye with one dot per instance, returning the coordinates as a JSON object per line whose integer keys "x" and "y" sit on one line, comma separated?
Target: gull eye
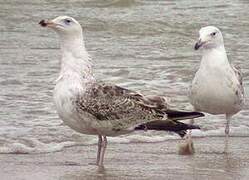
{"x": 67, "y": 21}
{"x": 213, "y": 34}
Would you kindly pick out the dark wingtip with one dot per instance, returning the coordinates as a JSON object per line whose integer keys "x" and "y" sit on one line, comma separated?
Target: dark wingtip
{"x": 181, "y": 133}
{"x": 191, "y": 126}
{"x": 43, "y": 23}
{"x": 181, "y": 115}
{"x": 199, "y": 114}
{"x": 162, "y": 125}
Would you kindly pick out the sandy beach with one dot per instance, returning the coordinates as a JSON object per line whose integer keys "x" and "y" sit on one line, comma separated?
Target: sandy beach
{"x": 133, "y": 161}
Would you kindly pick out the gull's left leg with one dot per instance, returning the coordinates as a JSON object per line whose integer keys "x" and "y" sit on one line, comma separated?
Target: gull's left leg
{"x": 227, "y": 129}
{"x": 102, "y": 151}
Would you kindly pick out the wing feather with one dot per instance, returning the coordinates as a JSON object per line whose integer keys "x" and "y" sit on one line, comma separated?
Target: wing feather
{"x": 240, "y": 91}
{"x": 110, "y": 102}
{"x": 126, "y": 109}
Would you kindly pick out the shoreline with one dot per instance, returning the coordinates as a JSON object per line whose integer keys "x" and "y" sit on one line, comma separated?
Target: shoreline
{"x": 134, "y": 161}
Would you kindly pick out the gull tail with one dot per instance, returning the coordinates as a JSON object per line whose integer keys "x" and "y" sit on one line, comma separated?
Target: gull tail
{"x": 182, "y": 115}
{"x": 167, "y": 125}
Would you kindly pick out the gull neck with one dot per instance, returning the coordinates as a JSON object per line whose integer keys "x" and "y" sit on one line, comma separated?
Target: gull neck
{"x": 75, "y": 62}
{"x": 214, "y": 57}
{"x": 73, "y": 43}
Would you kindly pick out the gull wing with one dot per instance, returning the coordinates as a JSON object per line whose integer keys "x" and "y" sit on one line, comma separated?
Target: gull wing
{"x": 111, "y": 102}
{"x": 240, "y": 88}
{"x": 239, "y": 76}
{"x": 130, "y": 109}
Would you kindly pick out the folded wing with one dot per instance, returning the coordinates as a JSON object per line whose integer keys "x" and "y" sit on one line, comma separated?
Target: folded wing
{"x": 132, "y": 109}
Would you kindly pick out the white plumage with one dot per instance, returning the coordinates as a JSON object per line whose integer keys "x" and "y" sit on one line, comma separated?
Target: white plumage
{"x": 217, "y": 86}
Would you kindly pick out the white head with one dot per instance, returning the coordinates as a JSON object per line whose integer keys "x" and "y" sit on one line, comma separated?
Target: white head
{"x": 69, "y": 31}
{"x": 75, "y": 58}
{"x": 64, "y": 26}
{"x": 209, "y": 37}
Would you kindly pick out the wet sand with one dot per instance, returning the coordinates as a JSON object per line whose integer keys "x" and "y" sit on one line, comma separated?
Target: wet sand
{"x": 134, "y": 161}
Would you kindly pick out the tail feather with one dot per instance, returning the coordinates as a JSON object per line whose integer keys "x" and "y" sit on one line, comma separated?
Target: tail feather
{"x": 182, "y": 115}
{"x": 167, "y": 125}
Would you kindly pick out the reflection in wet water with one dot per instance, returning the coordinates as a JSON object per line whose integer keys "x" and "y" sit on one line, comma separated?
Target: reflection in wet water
{"x": 153, "y": 164}
{"x": 94, "y": 173}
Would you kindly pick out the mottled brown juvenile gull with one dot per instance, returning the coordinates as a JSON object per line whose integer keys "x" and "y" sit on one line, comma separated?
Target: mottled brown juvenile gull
{"x": 94, "y": 108}
{"x": 217, "y": 86}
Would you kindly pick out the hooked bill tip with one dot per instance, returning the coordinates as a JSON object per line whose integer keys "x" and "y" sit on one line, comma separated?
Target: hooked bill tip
{"x": 43, "y": 23}
{"x": 197, "y": 46}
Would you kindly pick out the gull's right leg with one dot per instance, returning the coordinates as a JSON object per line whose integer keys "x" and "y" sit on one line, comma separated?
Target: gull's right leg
{"x": 227, "y": 129}
{"x": 99, "y": 149}
{"x": 100, "y": 141}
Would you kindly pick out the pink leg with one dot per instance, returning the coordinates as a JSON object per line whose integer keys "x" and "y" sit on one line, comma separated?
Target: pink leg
{"x": 227, "y": 130}
{"x": 102, "y": 151}
{"x": 99, "y": 148}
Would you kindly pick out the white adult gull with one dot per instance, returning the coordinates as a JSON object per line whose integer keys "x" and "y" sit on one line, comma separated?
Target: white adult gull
{"x": 94, "y": 108}
{"x": 217, "y": 86}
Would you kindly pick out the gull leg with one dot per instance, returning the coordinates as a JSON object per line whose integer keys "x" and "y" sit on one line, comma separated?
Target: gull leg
{"x": 227, "y": 129}
{"x": 102, "y": 151}
{"x": 99, "y": 149}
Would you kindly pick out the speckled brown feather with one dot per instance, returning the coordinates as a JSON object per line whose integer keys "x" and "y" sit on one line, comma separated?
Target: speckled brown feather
{"x": 108, "y": 102}
{"x": 129, "y": 108}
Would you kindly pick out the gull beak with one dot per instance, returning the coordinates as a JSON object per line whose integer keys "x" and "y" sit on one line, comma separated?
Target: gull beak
{"x": 47, "y": 23}
{"x": 198, "y": 44}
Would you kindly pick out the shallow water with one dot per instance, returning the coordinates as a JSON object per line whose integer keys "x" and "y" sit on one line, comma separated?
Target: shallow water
{"x": 143, "y": 45}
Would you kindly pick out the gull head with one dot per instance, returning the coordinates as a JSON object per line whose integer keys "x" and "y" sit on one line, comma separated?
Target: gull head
{"x": 209, "y": 37}
{"x": 63, "y": 25}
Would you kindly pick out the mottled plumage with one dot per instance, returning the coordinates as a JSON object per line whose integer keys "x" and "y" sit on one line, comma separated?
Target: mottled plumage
{"x": 101, "y": 109}
{"x": 119, "y": 110}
